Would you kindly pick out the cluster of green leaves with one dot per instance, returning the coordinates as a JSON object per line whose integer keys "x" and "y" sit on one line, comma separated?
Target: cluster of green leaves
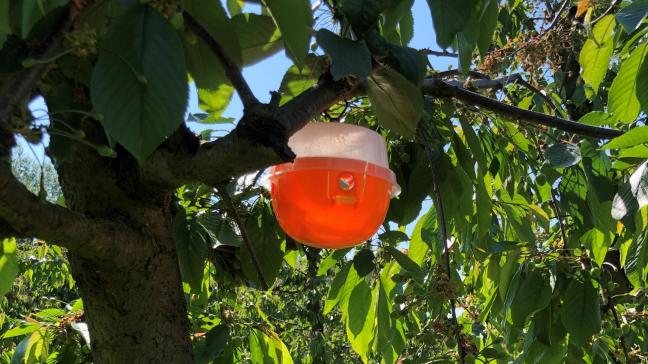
{"x": 41, "y": 314}
{"x": 546, "y": 232}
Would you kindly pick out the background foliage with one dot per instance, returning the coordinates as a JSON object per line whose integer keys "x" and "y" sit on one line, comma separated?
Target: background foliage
{"x": 534, "y": 238}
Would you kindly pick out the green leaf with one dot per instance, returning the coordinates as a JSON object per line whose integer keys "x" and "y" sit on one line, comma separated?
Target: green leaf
{"x": 393, "y": 237}
{"x": 397, "y": 102}
{"x": 20, "y": 330}
{"x": 362, "y": 14}
{"x": 35, "y": 10}
{"x": 423, "y": 237}
{"x": 636, "y": 264}
{"x": 258, "y": 37}
{"x": 215, "y": 101}
{"x": 581, "y": 309}
{"x": 363, "y": 262}
{"x": 449, "y": 18}
{"x": 597, "y": 118}
{"x": 294, "y": 19}
{"x": 598, "y": 243}
{"x": 406, "y": 262}
{"x": 32, "y": 349}
{"x": 632, "y": 137}
{"x": 360, "y": 319}
{"x": 409, "y": 62}
{"x": 596, "y": 52}
{"x": 632, "y": 195}
{"x": 142, "y": 98}
{"x": 533, "y": 294}
{"x": 203, "y": 65}
{"x": 192, "y": 250}
{"x": 397, "y": 23}
{"x": 632, "y": 15}
{"x": 212, "y": 16}
{"x": 262, "y": 348}
{"x": 348, "y": 57}
{"x": 484, "y": 207}
{"x": 341, "y": 287}
{"x": 623, "y": 99}
{"x": 563, "y": 155}
{"x": 214, "y": 344}
{"x": 220, "y": 229}
{"x": 488, "y": 26}
{"x": 8, "y": 265}
{"x": 468, "y": 37}
{"x": 642, "y": 84}
{"x": 264, "y": 233}
{"x": 296, "y": 80}
{"x": 330, "y": 261}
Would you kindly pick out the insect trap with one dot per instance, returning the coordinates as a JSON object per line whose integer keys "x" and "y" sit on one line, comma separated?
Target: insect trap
{"x": 337, "y": 191}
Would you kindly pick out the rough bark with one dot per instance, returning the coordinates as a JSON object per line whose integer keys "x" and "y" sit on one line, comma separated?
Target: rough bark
{"x": 136, "y": 314}
{"x": 133, "y": 299}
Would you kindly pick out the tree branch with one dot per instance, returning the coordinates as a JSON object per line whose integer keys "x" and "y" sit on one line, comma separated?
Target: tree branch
{"x": 27, "y": 216}
{"x": 244, "y": 151}
{"x": 557, "y": 15}
{"x": 224, "y": 195}
{"x": 443, "y": 53}
{"x": 499, "y": 83}
{"x": 427, "y": 139}
{"x": 232, "y": 71}
{"x": 440, "y": 88}
{"x": 24, "y": 81}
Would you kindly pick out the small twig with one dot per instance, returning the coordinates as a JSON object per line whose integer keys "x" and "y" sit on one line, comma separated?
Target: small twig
{"x": 561, "y": 223}
{"x": 607, "y": 11}
{"x": 427, "y": 141}
{"x": 617, "y": 323}
{"x": 440, "y": 88}
{"x": 456, "y": 72}
{"x": 232, "y": 70}
{"x": 443, "y": 53}
{"x": 557, "y": 17}
{"x": 222, "y": 192}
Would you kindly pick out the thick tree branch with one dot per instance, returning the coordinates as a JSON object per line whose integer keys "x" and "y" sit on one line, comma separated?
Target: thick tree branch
{"x": 232, "y": 71}
{"x": 241, "y": 151}
{"x": 27, "y": 216}
{"x": 440, "y": 88}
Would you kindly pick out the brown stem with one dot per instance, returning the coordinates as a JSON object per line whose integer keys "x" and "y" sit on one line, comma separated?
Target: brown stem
{"x": 617, "y": 323}
{"x": 440, "y": 88}
{"x": 232, "y": 71}
{"x": 222, "y": 192}
{"x": 425, "y": 136}
{"x": 558, "y": 14}
{"x": 443, "y": 53}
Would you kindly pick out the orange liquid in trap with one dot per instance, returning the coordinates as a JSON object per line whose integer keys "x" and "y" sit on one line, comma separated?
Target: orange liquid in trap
{"x": 330, "y": 202}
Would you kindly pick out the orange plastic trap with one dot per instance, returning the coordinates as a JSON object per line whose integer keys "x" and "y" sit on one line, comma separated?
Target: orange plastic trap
{"x": 337, "y": 191}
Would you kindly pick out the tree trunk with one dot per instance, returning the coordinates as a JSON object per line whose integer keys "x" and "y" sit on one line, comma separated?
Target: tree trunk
{"x": 136, "y": 314}
{"x": 134, "y": 302}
